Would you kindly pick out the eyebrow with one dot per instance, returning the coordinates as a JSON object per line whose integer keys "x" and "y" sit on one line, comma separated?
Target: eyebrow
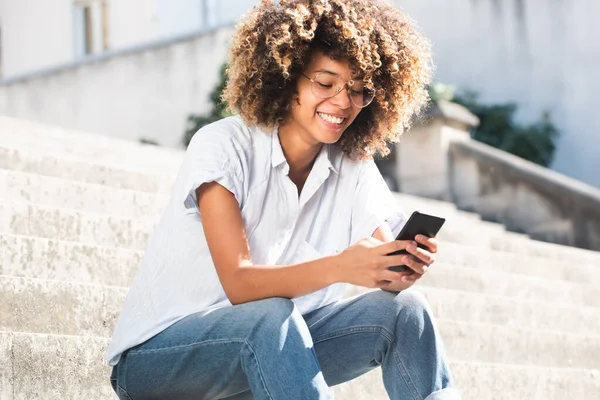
{"x": 327, "y": 71}
{"x": 335, "y": 73}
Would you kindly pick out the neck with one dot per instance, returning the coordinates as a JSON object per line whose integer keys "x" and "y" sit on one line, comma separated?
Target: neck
{"x": 299, "y": 153}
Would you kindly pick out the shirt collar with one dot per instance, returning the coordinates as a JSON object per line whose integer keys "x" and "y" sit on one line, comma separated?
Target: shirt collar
{"x": 322, "y": 163}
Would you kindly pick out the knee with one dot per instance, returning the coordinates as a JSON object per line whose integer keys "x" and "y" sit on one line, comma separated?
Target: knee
{"x": 407, "y": 308}
{"x": 414, "y": 313}
{"x": 277, "y": 320}
{"x": 412, "y": 301}
{"x": 275, "y": 309}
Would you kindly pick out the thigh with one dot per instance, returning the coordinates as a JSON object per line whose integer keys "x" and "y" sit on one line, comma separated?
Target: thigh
{"x": 197, "y": 357}
{"x": 351, "y": 336}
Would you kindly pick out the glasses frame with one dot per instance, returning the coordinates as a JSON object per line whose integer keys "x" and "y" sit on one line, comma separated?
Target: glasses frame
{"x": 348, "y": 85}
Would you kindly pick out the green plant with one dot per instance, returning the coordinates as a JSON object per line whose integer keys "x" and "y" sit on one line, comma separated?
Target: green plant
{"x": 535, "y": 142}
{"x": 217, "y": 112}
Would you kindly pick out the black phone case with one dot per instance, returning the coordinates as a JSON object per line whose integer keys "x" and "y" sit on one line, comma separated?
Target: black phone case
{"x": 417, "y": 224}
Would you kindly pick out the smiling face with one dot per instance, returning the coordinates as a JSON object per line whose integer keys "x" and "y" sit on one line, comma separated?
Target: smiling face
{"x": 316, "y": 119}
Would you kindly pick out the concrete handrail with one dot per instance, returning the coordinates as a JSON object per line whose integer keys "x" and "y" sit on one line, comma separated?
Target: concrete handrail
{"x": 528, "y": 171}
{"x": 525, "y": 197}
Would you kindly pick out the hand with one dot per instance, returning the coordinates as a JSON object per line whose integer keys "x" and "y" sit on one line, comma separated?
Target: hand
{"x": 419, "y": 260}
{"x": 366, "y": 263}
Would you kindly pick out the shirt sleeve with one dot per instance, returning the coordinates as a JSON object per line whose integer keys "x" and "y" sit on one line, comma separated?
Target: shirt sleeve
{"x": 212, "y": 156}
{"x": 373, "y": 204}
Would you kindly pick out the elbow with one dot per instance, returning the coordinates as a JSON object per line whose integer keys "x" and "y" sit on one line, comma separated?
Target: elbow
{"x": 235, "y": 289}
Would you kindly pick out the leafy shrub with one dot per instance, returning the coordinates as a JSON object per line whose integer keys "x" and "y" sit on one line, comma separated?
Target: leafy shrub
{"x": 535, "y": 142}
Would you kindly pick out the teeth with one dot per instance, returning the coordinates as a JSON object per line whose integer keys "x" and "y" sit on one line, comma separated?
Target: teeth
{"x": 331, "y": 118}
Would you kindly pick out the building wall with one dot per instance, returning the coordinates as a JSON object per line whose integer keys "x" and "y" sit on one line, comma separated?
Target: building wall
{"x": 39, "y": 34}
{"x": 35, "y": 34}
{"x": 135, "y": 95}
{"x": 541, "y": 54}
{"x": 132, "y": 22}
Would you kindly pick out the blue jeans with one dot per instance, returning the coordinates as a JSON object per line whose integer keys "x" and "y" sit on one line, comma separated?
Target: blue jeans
{"x": 267, "y": 350}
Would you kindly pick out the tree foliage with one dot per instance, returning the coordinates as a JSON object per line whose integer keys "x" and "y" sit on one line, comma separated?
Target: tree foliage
{"x": 535, "y": 142}
{"x": 218, "y": 110}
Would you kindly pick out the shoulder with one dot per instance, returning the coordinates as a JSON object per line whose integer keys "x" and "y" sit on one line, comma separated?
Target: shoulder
{"x": 231, "y": 141}
{"x": 230, "y": 130}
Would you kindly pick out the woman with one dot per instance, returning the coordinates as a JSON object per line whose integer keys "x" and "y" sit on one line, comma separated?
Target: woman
{"x": 240, "y": 292}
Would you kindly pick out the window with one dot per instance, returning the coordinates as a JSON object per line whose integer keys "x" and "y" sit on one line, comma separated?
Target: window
{"x": 91, "y": 27}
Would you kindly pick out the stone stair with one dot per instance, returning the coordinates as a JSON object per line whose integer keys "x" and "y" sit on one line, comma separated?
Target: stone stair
{"x": 520, "y": 318}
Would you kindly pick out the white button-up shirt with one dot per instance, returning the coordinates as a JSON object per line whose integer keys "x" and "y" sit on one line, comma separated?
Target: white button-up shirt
{"x": 341, "y": 202}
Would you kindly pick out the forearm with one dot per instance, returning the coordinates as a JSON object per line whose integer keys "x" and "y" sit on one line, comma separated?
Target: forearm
{"x": 256, "y": 282}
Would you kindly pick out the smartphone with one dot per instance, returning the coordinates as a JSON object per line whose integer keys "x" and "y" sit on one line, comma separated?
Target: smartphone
{"x": 417, "y": 224}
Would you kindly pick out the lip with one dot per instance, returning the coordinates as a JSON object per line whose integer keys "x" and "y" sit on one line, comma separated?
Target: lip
{"x": 332, "y": 126}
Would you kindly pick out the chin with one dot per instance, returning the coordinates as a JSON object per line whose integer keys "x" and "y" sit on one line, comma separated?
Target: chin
{"x": 329, "y": 138}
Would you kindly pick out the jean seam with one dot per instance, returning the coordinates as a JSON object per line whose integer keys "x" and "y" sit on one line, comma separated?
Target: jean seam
{"x": 388, "y": 336}
{"x": 406, "y": 376}
{"x": 179, "y": 347}
{"x": 123, "y": 392}
{"x": 260, "y": 373}
{"x": 356, "y": 329}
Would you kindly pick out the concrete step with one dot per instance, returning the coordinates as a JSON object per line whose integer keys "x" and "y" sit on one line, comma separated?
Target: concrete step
{"x": 508, "y": 345}
{"x": 50, "y": 223}
{"x": 34, "y": 366}
{"x": 42, "y": 306}
{"x": 511, "y": 285}
{"x": 65, "y": 224}
{"x": 440, "y": 208}
{"x": 86, "y": 263}
{"x": 21, "y": 186}
{"x": 41, "y": 366}
{"x": 521, "y": 246}
{"x": 63, "y": 193}
{"x": 67, "y": 308}
{"x": 463, "y": 306}
{"x": 42, "y": 258}
{"x": 60, "y": 224}
{"x": 494, "y": 381}
{"x": 508, "y": 241}
{"x": 498, "y": 260}
{"x": 60, "y": 142}
{"x": 85, "y": 171}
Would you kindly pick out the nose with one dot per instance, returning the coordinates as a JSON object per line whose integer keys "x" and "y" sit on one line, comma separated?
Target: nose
{"x": 342, "y": 99}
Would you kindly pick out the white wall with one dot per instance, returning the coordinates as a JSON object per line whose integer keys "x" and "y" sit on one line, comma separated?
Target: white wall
{"x": 39, "y": 34}
{"x": 35, "y": 34}
{"x": 542, "y": 54}
{"x": 132, "y": 22}
{"x": 147, "y": 94}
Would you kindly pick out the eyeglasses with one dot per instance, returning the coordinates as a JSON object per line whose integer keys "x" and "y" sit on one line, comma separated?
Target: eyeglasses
{"x": 326, "y": 85}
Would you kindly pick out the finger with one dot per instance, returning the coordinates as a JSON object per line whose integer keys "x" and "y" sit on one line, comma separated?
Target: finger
{"x": 390, "y": 261}
{"x": 387, "y": 275}
{"x": 395, "y": 245}
{"x": 422, "y": 254}
{"x": 415, "y": 264}
{"x": 430, "y": 243}
{"x": 412, "y": 277}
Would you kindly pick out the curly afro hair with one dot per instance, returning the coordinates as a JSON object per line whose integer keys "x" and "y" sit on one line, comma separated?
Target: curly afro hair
{"x": 275, "y": 41}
